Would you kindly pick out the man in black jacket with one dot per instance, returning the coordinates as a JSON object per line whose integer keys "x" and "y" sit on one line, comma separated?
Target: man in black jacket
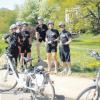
{"x": 13, "y": 41}
{"x": 41, "y": 29}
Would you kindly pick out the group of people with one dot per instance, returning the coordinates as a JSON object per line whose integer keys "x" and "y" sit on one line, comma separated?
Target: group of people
{"x": 22, "y": 35}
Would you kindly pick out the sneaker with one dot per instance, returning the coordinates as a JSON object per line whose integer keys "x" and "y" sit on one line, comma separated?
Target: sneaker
{"x": 69, "y": 72}
{"x": 56, "y": 71}
{"x": 64, "y": 71}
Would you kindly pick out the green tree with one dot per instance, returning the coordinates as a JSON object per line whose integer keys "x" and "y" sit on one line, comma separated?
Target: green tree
{"x": 29, "y": 11}
{"x": 7, "y": 17}
{"x": 34, "y": 8}
{"x": 91, "y": 11}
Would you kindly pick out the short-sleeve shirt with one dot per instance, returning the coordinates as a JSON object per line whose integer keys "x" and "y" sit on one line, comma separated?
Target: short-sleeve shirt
{"x": 42, "y": 30}
{"x": 24, "y": 37}
{"x": 52, "y": 34}
{"x": 65, "y": 36}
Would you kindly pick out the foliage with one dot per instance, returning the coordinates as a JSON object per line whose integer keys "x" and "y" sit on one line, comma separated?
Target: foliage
{"x": 7, "y": 17}
{"x": 34, "y": 8}
{"x": 90, "y": 9}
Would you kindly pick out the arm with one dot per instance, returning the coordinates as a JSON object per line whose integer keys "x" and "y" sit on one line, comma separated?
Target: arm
{"x": 57, "y": 39}
{"x": 37, "y": 35}
{"x": 69, "y": 41}
{"x": 7, "y": 38}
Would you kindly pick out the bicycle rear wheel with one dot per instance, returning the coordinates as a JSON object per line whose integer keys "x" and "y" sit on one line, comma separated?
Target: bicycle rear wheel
{"x": 90, "y": 93}
{"x": 7, "y": 81}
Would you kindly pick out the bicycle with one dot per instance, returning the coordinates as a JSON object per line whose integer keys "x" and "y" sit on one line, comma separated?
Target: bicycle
{"x": 92, "y": 92}
{"x": 36, "y": 80}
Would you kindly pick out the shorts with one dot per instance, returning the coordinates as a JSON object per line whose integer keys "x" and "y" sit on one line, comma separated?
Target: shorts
{"x": 41, "y": 39}
{"x": 25, "y": 49}
{"x": 64, "y": 52}
{"x": 51, "y": 48}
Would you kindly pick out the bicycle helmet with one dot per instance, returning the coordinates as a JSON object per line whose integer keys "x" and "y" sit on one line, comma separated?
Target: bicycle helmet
{"x": 13, "y": 26}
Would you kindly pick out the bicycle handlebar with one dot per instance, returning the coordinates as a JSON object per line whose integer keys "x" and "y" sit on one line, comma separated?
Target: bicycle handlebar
{"x": 94, "y": 54}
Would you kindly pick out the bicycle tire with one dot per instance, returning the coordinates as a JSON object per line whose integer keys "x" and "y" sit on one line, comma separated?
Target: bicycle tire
{"x": 53, "y": 90}
{"x": 7, "y": 84}
{"x": 85, "y": 91}
{"x": 47, "y": 92}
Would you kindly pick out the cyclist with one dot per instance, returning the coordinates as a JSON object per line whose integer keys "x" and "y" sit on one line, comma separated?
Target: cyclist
{"x": 19, "y": 27}
{"x": 25, "y": 44}
{"x": 13, "y": 40}
{"x": 52, "y": 37}
{"x": 64, "y": 49}
{"x": 41, "y": 29}
{"x": 18, "y": 30}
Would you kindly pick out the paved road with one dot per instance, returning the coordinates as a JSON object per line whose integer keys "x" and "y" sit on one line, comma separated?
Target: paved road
{"x": 20, "y": 97}
{"x": 65, "y": 88}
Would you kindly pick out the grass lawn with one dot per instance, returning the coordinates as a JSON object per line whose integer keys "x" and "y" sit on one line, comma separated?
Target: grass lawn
{"x": 81, "y": 61}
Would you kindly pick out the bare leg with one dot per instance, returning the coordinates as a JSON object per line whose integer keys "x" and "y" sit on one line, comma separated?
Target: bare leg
{"x": 55, "y": 61}
{"x": 22, "y": 60}
{"x": 49, "y": 61}
{"x": 29, "y": 56}
{"x": 69, "y": 68}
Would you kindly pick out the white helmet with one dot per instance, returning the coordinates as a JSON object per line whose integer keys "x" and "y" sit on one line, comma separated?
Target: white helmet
{"x": 18, "y": 23}
{"x": 13, "y": 26}
{"x": 61, "y": 24}
{"x": 50, "y": 22}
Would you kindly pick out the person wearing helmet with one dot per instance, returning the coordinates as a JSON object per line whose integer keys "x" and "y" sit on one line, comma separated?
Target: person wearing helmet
{"x": 52, "y": 37}
{"x": 64, "y": 49}
{"x": 18, "y": 31}
{"x": 41, "y": 29}
{"x": 13, "y": 43}
{"x": 25, "y": 44}
{"x": 19, "y": 27}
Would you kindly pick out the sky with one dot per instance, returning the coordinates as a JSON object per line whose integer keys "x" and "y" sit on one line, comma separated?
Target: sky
{"x": 10, "y": 4}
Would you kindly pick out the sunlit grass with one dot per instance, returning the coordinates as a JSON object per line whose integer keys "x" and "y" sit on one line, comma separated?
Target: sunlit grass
{"x": 81, "y": 61}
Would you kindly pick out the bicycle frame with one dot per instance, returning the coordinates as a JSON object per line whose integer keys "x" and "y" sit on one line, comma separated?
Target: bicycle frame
{"x": 20, "y": 81}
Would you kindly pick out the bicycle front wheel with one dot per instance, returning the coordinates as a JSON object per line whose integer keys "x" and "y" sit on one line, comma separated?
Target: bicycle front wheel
{"x": 48, "y": 92}
{"x": 90, "y": 93}
{"x": 7, "y": 81}
{"x": 44, "y": 88}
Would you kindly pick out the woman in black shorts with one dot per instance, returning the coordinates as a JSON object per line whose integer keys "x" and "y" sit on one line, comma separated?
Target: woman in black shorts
{"x": 52, "y": 36}
{"x": 64, "y": 49}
